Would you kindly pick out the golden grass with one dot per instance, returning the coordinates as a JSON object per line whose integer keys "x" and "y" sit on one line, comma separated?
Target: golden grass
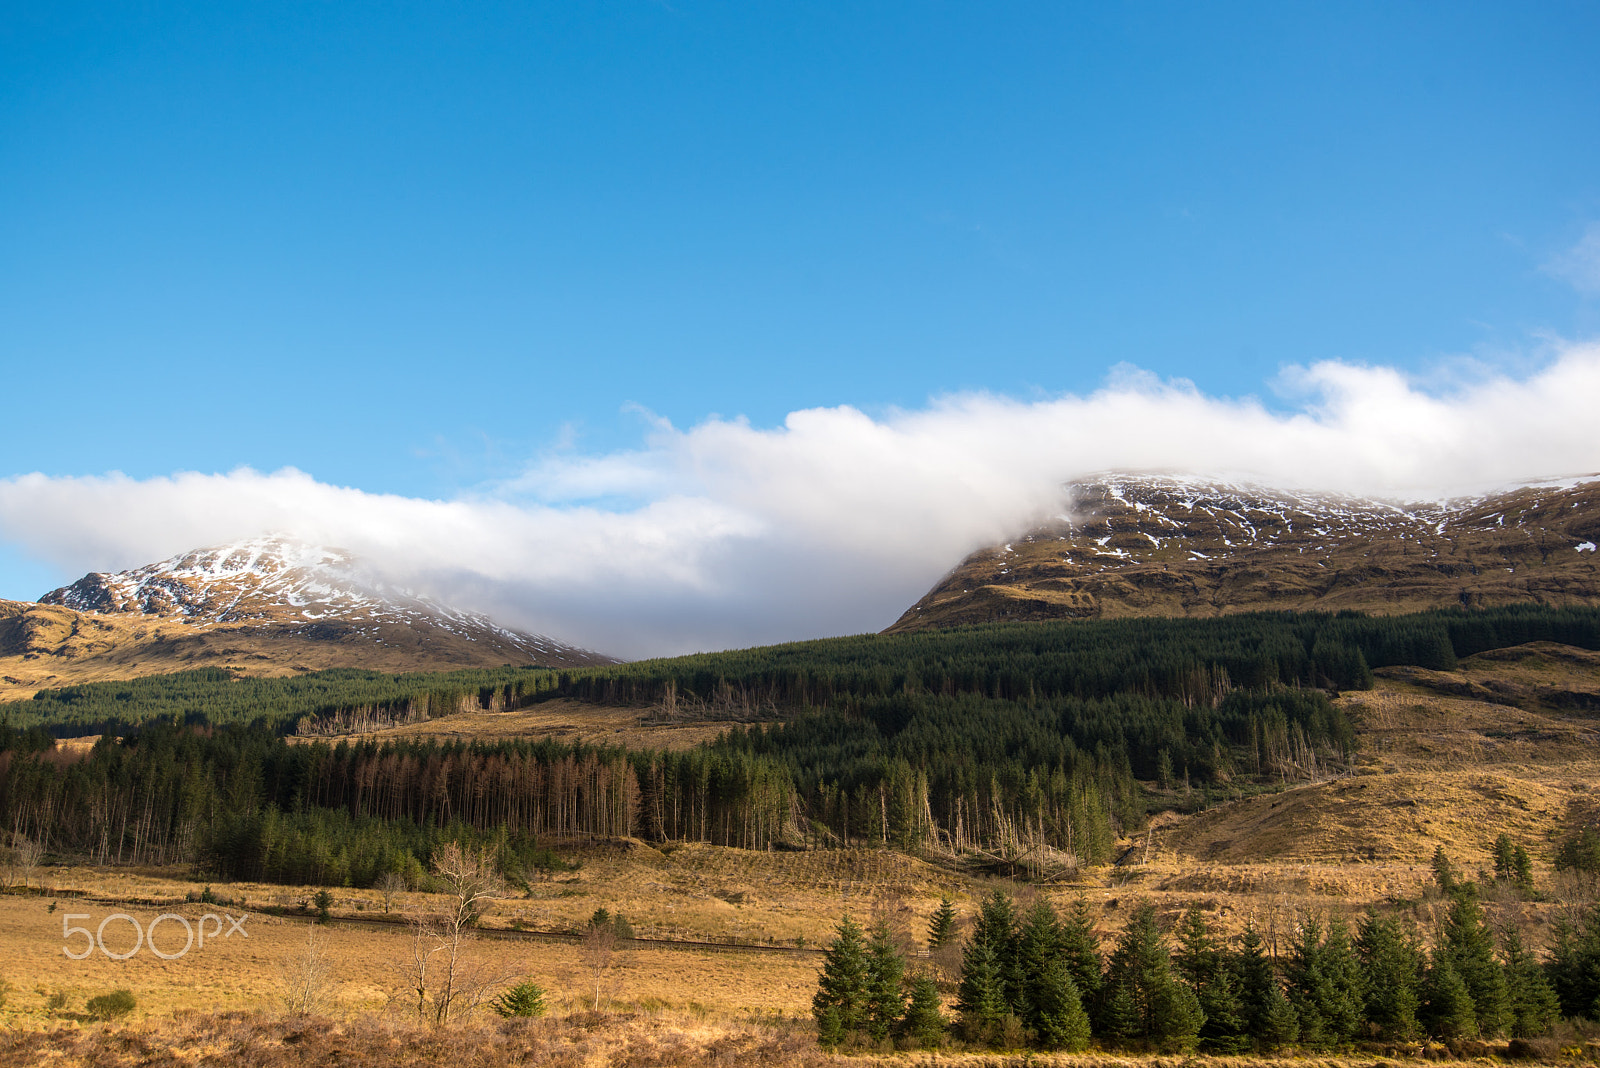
{"x": 565, "y": 721}
{"x": 1434, "y": 770}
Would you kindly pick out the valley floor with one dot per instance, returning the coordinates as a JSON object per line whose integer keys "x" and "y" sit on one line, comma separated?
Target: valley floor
{"x": 1442, "y": 762}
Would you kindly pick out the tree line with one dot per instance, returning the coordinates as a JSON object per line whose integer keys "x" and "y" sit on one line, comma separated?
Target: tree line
{"x": 1033, "y": 743}
{"x": 1035, "y": 978}
{"x": 1194, "y": 661}
{"x": 336, "y": 698}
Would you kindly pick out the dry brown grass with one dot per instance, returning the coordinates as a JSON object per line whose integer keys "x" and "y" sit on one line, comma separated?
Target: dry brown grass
{"x": 588, "y": 1040}
{"x": 1435, "y": 770}
{"x": 565, "y": 721}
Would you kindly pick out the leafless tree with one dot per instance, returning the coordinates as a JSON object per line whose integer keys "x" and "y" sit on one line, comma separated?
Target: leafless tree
{"x": 444, "y": 979}
{"x": 305, "y": 983}
{"x": 390, "y": 886}
{"x": 18, "y": 863}
{"x": 599, "y": 953}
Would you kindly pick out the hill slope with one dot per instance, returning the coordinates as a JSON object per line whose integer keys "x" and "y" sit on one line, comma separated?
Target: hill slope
{"x": 1149, "y": 545}
{"x": 268, "y": 606}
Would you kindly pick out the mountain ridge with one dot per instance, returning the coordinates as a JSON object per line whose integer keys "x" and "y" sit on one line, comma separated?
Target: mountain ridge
{"x": 1160, "y": 544}
{"x": 264, "y": 606}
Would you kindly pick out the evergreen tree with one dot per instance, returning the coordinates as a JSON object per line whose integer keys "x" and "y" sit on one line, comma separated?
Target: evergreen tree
{"x": 1204, "y": 965}
{"x": 1055, "y": 1009}
{"x": 1392, "y": 964}
{"x": 1581, "y": 852}
{"x": 1512, "y": 865}
{"x": 830, "y": 1027}
{"x": 1038, "y": 945}
{"x": 1199, "y": 956}
{"x": 1447, "y": 1004}
{"x": 1574, "y": 967}
{"x": 942, "y": 928}
{"x": 840, "y": 1003}
{"x": 1141, "y": 990}
{"x": 981, "y": 995}
{"x": 1444, "y": 872}
{"x": 1531, "y": 1004}
{"x": 1501, "y": 852}
{"x": 1269, "y": 1016}
{"x": 1522, "y": 871}
{"x": 923, "y": 1021}
{"x": 1081, "y": 952}
{"x": 1323, "y": 979}
{"x": 1340, "y": 963}
{"x": 996, "y": 928}
{"x": 885, "y": 1003}
{"x": 1469, "y": 943}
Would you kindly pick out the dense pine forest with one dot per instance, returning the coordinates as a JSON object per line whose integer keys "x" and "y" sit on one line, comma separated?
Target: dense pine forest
{"x": 1030, "y": 743}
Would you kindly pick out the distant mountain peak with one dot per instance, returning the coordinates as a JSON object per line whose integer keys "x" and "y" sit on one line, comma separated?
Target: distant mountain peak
{"x": 310, "y": 591}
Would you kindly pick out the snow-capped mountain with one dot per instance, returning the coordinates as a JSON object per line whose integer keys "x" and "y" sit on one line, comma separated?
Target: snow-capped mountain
{"x": 279, "y": 585}
{"x": 1130, "y": 545}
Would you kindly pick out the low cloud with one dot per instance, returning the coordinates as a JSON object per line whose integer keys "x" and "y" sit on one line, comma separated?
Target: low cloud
{"x": 836, "y": 521}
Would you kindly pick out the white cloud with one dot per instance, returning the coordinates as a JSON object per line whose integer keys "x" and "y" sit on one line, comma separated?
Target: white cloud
{"x": 1580, "y": 265}
{"x": 836, "y": 521}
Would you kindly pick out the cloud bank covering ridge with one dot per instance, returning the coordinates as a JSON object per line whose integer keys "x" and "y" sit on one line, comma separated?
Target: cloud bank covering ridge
{"x": 836, "y": 521}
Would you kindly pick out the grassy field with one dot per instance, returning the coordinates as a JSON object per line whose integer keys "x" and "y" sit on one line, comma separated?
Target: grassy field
{"x": 1438, "y": 765}
{"x": 565, "y": 721}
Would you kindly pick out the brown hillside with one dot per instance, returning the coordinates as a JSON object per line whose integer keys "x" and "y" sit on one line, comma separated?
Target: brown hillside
{"x": 45, "y": 646}
{"x": 1167, "y": 546}
{"x": 1447, "y": 758}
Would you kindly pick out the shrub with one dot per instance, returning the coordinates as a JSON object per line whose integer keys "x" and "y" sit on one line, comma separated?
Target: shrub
{"x": 524, "y": 999}
{"x": 112, "y": 1006}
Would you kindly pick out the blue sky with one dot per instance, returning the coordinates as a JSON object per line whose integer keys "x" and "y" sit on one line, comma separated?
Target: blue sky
{"x": 442, "y": 251}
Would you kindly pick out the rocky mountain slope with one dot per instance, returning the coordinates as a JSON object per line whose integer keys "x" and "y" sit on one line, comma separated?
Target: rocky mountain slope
{"x": 1157, "y": 545}
{"x": 266, "y": 606}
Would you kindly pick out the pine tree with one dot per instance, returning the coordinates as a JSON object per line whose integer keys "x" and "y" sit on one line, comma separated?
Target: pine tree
{"x": 1392, "y": 964}
{"x": 923, "y": 1021}
{"x": 885, "y": 1004}
{"x": 1269, "y": 1017}
{"x": 1574, "y": 968}
{"x": 942, "y": 928}
{"x": 1469, "y": 943}
{"x": 1081, "y": 952}
{"x": 1038, "y": 944}
{"x": 840, "y": 1003}
{"x": 1512, "y": 865}
{"x": 1055, "y": 1009}
{"x": 1522, "y": 871}
{"x": 1202, "y": 963}
{"x": 1140, "y": 984}
{"x": 981, "y": 995}
{"x": 996, "y": 927}
{"x": 830, "y": 1028}
{"x": 1344, "y": 1012}
{"x": 1309, "y": 987}
{"x": 1199, "y": 957}
{"x": 1531, "y": 1004}
{"x": 1444, "y": 873}
{"x": 1447, "y": 1004}
{"x": 1502, "y": 858}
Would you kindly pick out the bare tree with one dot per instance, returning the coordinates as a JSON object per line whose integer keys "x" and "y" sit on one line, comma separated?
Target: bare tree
{"x": 599, "y": 953}
{"x": 390, "y": 886}
{"x": 305, "y": 984}
{"x": 18, "y": 863}
{"x": 444, "y": 980}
